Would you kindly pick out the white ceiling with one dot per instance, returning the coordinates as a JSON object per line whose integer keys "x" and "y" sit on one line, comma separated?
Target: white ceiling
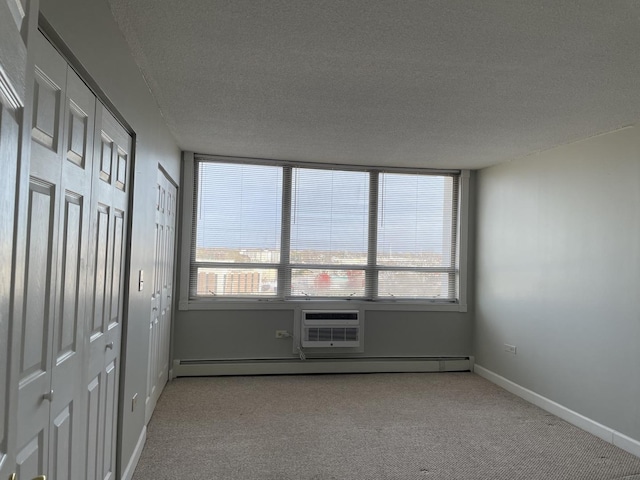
{"x": 426, "y": 83}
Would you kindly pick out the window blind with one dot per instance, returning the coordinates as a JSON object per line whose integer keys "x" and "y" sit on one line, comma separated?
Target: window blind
{"x": 287, "y": 231}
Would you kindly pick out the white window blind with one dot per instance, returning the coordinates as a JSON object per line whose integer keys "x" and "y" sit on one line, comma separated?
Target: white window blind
{"x": 416, "y": 233}
{"x": 329, "y": 232}
{"x": 237, "y": 229}
{"x": 291, "y": 231}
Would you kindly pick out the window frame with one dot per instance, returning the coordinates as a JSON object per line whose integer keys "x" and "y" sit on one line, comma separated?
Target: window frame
{"x": 284, "y": 299}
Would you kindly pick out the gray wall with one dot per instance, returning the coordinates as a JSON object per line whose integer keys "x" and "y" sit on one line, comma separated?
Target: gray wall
{"x": 558, "y": 276}
{"x": 88, "y": 29}
{"x": 250, "y": 334}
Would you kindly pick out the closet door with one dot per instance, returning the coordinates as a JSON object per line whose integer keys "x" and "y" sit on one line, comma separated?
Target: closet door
{"x": 50, "y": 395}
{"x": 67, "y": 435}
{"x": 162, "y": 291}
{"x": 9, "y": 138}
{"x": 40, "y": 270}
{"x": 13, "y": 69}
{"x": 109, "y": 211}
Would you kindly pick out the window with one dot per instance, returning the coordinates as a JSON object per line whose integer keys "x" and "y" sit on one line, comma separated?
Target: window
{"x": 238, "y": 228}
{"x": 416, "y": 241}
{"x": 287, "y": 231}
{"x": 329, "y": 232}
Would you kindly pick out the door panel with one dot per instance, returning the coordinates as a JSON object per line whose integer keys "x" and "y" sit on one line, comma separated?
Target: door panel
{"x": 41, "y": 263}
{"x": 14, "y": 19}
{"x": 110, "y": 420}
{"x": 116, "y": 268}
{"x": 99, "y": 274}
{"x": 35, "y": 358}
{"x": 160, "y": 320}
{"x": 62, "y": 445}
{"x": 68, "y": 365}
{"x": 107, "y": 275}
{"x": 9, "y": 138}
{"x": 30, "y": 459}
{"x": 93, "y": 445}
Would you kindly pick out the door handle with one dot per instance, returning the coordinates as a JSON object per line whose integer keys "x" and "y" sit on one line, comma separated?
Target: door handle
{"x": 48, "y": 397}
{"x": 109, "y": 346}
{"x": 40, "y": 477}
{"x": 13, "y": 476}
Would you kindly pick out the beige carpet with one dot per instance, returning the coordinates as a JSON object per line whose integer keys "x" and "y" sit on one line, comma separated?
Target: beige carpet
{"x": 380, "y": 426}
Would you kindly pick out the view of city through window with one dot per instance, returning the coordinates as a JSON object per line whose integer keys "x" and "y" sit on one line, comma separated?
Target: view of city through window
{"x": 239, "y": 229}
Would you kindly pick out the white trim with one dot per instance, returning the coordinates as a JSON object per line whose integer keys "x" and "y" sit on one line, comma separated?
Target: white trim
{"x": 135, "y": 457}
{"x": 186, "y": 215}
{"x": 601, "y": 431}
{"x": 202, "y": 157}
{"x": 626, "y": 443}
{"x": 311, "y": 366}
{"x": 279, "y": 304}
{"x": 463, "y": 237}
{"x": 186, "y": 303}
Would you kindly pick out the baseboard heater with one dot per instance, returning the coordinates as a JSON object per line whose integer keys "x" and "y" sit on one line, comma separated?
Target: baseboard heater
{"x": 204, "y": 368}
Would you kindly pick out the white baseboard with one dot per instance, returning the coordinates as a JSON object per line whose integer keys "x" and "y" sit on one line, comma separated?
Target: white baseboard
{"x": 310, "y": 366}
{"x": 602, "y": 431}
{"x": 135, "y": 457}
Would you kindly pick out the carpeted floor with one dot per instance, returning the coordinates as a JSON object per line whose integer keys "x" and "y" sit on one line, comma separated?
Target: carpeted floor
{"x": 445, "y": 426}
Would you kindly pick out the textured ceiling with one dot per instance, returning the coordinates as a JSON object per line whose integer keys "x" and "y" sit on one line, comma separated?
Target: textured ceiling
{"x": 448, "y": 83}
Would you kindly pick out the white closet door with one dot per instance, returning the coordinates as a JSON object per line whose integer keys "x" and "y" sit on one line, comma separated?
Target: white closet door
{"x": 9, "y": 138}
{"x": 12, "y": 71}
{"x": 161, "y": 294}
{"x": 16, "y": 18}
{"x": 67, "y": 435}
{"x": 109, "y": 212}
{"x": 40, "y": 270}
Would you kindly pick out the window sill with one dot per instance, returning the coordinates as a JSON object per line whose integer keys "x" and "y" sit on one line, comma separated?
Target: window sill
{"x": 279, "y": 304}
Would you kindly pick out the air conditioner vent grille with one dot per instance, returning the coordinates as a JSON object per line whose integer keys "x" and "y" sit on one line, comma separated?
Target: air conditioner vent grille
{"x": 336, "y": 334}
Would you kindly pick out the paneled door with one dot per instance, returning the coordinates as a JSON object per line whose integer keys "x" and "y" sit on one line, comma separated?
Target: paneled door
{"x": 67, "y": 435}
{"x": 13, "y": 61}
{"x": 162, "y": 292}
{"x": 50, "y": 396}
{"x": 39, "y": 288}
{"x": 109, "y": 210}
{"x": 9, "y": 138}
{"x": 13, "y": 71}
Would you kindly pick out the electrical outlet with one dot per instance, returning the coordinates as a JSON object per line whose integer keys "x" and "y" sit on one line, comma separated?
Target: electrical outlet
{"x": 282, "y": 334}
{"x": 510, "y": 348}
{"x": 134, "y": 402}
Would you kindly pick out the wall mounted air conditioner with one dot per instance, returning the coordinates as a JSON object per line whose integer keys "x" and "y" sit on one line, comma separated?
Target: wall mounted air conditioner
{"x": 330, "y": 328}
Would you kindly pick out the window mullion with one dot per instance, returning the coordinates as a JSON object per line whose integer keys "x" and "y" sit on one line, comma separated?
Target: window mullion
{"x": 371, "y": 275}
{"x": 284, "y": 271}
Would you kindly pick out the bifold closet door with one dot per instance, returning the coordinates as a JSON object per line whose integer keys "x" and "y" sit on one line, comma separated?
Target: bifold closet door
{"x": 109, "y": 213}
{"x": 72, "y": 289}
{"x": 9, "y": 138}
{"x": 13, "y": 61}
{"x": 50, "y": 395}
